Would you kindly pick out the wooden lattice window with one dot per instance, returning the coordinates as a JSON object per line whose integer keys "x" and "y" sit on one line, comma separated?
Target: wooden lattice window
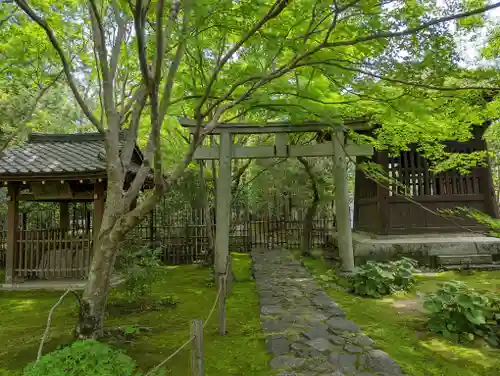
{"x": 412, "y": 171}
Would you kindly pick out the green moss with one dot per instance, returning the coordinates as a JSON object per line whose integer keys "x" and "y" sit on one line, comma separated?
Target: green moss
{"x": 402, "y": 334}
{"x": 240, "y": 352}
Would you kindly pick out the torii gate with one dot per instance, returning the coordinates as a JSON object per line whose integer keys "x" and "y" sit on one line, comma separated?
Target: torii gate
{"x": 339, "y": 148}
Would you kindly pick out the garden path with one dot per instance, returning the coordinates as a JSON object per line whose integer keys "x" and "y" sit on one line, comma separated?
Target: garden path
{"x": 306, "y": 331}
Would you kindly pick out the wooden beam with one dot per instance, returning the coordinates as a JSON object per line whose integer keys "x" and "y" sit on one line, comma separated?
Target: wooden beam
{"x": 76, "y": 196}
{"x": 223, "y": 205}
{"x": 344, "y": 233}
{"x": 12, "y": 231}
{"x": 48, "y": 177}
{"x": 361, "y": 123}
{"x": 327, "y": 149}
{"x": 263, "y": 152}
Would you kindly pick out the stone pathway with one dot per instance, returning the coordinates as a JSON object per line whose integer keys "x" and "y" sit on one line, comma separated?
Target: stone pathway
{"x": 307, "y": 333}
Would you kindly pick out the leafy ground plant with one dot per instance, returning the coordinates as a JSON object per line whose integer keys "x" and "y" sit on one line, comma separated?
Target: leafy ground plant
{"x": 83, "y": 358}
{"x": 461, "y": 313}
{"x": 376, "y": 279}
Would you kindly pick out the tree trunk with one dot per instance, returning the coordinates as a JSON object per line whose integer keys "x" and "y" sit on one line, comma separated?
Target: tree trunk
{"x": 309, "y": 226}
{"x": 311, "y": 211}
{"x": 106, "y": 246}
{"x": 95, "y": 295}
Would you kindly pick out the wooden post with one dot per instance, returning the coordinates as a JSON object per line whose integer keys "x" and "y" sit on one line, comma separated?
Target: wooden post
{"x": 197, "y": 363}
{"x": 223, "y": 204}
{"x": 222, "y": 305}
{"x": 344, "y": 233}
{"x": 99, "y": 190}
{"x": 12, "y": 231}
{"x": 489, "y": 191}
{"x": 359, "y": 178}
{"x": 383, "y": 196}
{"x": 64, "y": 215}
{"x": 484, "y": 172}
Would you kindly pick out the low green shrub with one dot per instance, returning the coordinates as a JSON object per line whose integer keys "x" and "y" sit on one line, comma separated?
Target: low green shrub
{"x": 376, "y": 279}
{"x": 83, "y": 358}
{"x": 141, "y": 271}
{"x": 461, "y": 313}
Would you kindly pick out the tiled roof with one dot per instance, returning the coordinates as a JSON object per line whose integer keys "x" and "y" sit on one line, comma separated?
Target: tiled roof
{"x": 54, "y": 154}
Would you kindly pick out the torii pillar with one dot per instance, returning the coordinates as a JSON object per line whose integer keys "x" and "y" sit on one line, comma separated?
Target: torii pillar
{"x": 344, "y": 232}
{"x": 223, "y": 210}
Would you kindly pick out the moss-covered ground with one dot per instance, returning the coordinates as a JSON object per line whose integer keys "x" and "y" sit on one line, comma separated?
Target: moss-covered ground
{"x": 242, "y": 351}
{"x": 398, "y": 326}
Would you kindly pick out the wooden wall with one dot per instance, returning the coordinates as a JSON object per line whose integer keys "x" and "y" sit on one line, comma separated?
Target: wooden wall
{"x": 383, "y": 209}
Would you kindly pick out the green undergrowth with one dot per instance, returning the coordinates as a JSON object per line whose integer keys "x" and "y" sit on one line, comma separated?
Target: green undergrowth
{"x": 241, "y": 352}
{"x": 397, "y": 324}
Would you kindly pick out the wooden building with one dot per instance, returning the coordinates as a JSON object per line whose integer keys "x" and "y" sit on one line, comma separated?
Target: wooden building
{"x": 384, "y": 210}
{"x": 61, "y": 168}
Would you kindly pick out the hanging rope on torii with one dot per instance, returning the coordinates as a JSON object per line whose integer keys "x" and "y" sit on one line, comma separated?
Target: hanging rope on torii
{"x": 338, "y": 147}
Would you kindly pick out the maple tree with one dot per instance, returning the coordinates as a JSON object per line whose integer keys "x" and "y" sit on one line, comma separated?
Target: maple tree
{"x": 137, "y": 64}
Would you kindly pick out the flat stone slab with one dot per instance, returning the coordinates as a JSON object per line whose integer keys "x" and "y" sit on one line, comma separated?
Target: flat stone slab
{"x": 424, "y": 245}
{"x": 306, "y": 331}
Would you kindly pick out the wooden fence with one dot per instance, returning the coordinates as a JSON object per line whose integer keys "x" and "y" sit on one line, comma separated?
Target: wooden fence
{"x": 53, "y": 254}
{"x": 181, "y": 236}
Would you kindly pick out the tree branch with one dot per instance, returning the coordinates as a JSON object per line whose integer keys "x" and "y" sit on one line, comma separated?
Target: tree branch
{"x": 305, "y": 97}
{"x": 403, "y": 82}
{"x": 273, "y": 12}
{"x": 19, "y": 125}
{"x": 67, "y": 68}
{"x": 120, "y": 35}
{"x": 141, "y": 43}
{"x": 160, "y": 43}
{"x": 141, "y": 90}
{"x": 412, "y": 30}
{"x": 237, "y": 177}
{"x": 174, "y": 66}
{"x": 298, "y": 60}
{"x": 133, "y": 129}
{"x": 99, "y": 39}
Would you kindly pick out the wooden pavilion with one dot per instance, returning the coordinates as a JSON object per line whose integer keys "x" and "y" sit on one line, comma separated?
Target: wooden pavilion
{"x": 59, "y": 168}
{"x": 396, "y": 215}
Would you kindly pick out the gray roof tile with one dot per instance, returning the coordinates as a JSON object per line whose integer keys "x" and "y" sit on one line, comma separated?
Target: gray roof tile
{"x": 56, "y": 153}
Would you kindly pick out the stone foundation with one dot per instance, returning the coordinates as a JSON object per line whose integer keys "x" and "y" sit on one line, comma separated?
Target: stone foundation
{"x": 423, "y": 248}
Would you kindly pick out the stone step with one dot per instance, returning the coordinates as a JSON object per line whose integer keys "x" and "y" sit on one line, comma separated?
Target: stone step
{"x": 472, "y": 259}
{"x": 454, "y": 249}
{"x": 472, "y": 266}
